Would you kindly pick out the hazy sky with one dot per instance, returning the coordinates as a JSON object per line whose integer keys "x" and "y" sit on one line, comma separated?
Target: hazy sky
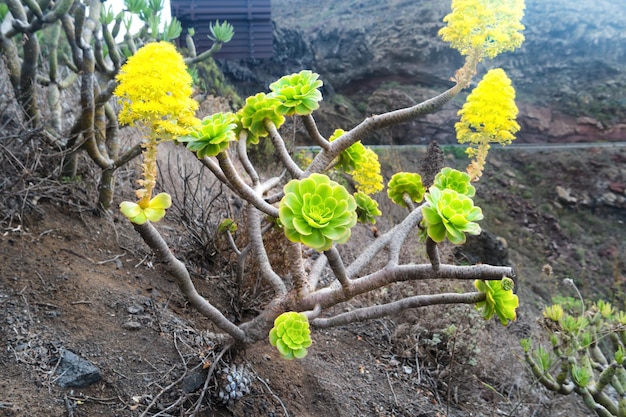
{"x": 119, "y": 5}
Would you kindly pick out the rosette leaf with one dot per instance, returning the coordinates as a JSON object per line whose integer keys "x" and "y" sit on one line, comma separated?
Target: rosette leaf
{"x": 257, "y": 109}
{"x": 291, "y": 335}
{"x": 497, "y": 300}
{"x": 212, "y": 136}
{"x": 366, "y": 208}
{"x": 298, "y": 93}
{"x": 317, "y": 211}
{"x": 408, "y": 183}
{"x": 450, "y": 214}
{"x": 351, "y": 158}
{"x": 153, "y": 211}
{"x": 452, "y": 179}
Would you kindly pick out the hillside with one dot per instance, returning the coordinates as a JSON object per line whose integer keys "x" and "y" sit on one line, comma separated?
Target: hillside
{"x": 374, "y": 56}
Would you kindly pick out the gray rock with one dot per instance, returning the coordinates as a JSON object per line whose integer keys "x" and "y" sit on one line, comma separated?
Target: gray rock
{"x": 132, "y": 325}
{"x": 76, "y": 372}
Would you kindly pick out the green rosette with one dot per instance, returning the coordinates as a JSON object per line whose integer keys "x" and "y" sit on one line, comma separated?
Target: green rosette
{"x": 498, "y": 300}
{"x": 298, "y": 93}
{"x": 405, "y": 183}
{"x": 366, "y": 208}
{"x": 317, "y": 212}
{"x": 453, "y": 179}
{"x": 291, "y": 335}
{"x": 212, "y": 136}
{"x": 450, "y": 214}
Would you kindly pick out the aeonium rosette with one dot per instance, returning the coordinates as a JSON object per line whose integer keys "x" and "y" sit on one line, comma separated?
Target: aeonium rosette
{"x": 366, "y": 208}
{"x": 256, "y": 111}
{"x": 291, "y": 335}
{"x": 450, "y": 214}
{"x": 297, "y": 93}
{"x": 351, "y": 158}
{"x": 317, "y": 212}
{"x": 405, "y": 183}
{"x": 499, "y": 299}
{"x": 212, "y": 136}
{"x": 453, "y": 179}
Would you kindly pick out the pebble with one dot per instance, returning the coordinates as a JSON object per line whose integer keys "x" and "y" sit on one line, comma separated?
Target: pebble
{"x": 134, "y": 309}
{"x": 132, "y": 325}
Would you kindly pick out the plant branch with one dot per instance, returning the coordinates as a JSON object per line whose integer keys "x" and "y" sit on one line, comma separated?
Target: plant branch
{"x": 382, "y": 310}
{"x": 177, "y": 269}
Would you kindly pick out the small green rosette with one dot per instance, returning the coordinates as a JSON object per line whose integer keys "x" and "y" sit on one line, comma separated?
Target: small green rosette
{"x": 291, "y": 335}
{"x": 317, "y": 212}
{"x": 212, "y": 136}
{"x": 366, "y": 208}
{"x": 499, "y": 299}
{"x": 298, "y": 93}
{"x": 257, "y": 109}
{"x": 450, "y": 214}
{"x": 408, "y": 183}
{"x": 453, "y": 179}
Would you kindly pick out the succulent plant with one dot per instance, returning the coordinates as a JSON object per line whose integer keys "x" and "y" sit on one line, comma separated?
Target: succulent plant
{"x": 408, "y": 183}
{"x": 153, "y": 211}
{"x": 257, "y": 109}
{"x": 154, "y": 88}
{"x": 222, "y": 32}
{"x": 553, "y": 312}
{"x": 352, "y": 157}
{"x": 366, "y": 208}
{"x": 298, "y": 93}
{"x": 497, "y": 300}
{"x": 233, "y": 383}
{"x": 450, "y": 214}
{"x": 317, "y": 211}
{"x": 452, "y": 179}
{"x": 212, "y": 136}
{"x": 291, "y": 335}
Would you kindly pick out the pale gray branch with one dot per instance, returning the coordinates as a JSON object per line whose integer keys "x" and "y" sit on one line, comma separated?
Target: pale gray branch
{"x": 382, "y": 310}
{"x": 177, "y": 269}
{"x": 332, "y": 295}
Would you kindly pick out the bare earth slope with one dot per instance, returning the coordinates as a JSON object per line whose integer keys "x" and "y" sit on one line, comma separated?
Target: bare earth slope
{"x": 71, "y": 280}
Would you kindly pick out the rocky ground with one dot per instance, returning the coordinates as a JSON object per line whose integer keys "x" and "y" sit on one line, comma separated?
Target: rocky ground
{"x": 76, "y": 282}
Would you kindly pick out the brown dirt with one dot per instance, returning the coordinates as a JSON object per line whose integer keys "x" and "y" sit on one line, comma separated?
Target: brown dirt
{"x": 73, "y": 280}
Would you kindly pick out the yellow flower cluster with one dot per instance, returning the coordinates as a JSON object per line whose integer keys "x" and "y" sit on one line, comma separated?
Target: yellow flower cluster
{"x": 487, "y": 116}
{"x": 484, "y": 28}
{"x": 155, "y": 88}
{"x": 489, "y": 113}
{"x": 367, "y": 174}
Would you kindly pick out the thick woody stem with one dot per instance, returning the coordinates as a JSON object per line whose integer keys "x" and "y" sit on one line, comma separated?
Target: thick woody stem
{"x": 311, "y": 128}
{"x": 377, "y": 311}
{"x": 279, "y": 144}
{"x": 296, "y": 267}
{"x": 330, "y": 296}
{"x": 178, "y": 270}
{"x": 433, "y": 254}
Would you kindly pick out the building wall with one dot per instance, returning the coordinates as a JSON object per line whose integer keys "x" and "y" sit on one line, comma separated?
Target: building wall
{"x": 251, "y": 19}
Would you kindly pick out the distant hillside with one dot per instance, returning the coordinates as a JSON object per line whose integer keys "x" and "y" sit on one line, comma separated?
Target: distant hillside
{"x": 378, "y": 55}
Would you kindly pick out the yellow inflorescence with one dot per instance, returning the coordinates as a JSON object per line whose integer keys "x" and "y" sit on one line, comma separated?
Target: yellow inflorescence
{"x": 155, "y": 88}
{"x": 484, "y": 27}
{"x": 487, "y": 116}
{"x": 489, "y": 113}
{"x": 367, "y": 174}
